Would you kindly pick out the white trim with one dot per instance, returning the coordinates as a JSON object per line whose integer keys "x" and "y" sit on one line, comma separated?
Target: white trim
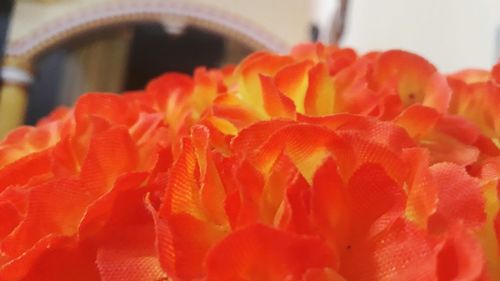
{"x": 156, "y": 9}
{"x": 16, "y": 75}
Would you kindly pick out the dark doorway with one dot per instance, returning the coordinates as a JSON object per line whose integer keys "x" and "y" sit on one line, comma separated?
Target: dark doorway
{"x": 154, "y": 52}
{"x": 151, "y": 52}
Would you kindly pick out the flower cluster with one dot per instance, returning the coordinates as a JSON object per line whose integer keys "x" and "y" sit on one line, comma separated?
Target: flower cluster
{"x": 319, "y": 165}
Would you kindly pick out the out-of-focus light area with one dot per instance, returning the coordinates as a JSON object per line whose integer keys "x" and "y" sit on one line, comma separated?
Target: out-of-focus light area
{"x": 453, "y": 34}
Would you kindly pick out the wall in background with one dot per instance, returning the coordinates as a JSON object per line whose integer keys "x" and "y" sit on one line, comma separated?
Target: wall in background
{"x": 453, "y": 34}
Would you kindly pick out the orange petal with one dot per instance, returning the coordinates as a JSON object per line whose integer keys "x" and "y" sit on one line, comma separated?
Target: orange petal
{"x": 241, "y": 254}
{"x": 250, "y": 185}
{"x": 170, "y": 86}
{"x": 17, "y": 268}
{"x": 422, "y": 189}
{"x": 132, "y": 257}
{"x": 63, "y": 263}
{"x": 365, "y": 151}
{"x": 250, "y": 138}
{"x": 232, "y": 206}
{"x": 57, "y": 114}
{"x": 487, "y": 146}
{"x": 250, "y": 70}
{"x": 275, "y": 103}
{"x": 478, "y": 103}
{"x": 329, "y": 205}
{"x": 340, "y": 59}
{"x": 296, "y": 217}
{"x": 17, "y": 197}
{"x": 66, "y": 162}
{"x": 383, "y": 133}
{"x": 145, "y": 126}
{"x": 106, "y": 207}
{"x": 182, "y": 192}
{"x": 282, "y": 175}
{"x": 27, "y": 140}
{"x": 292, "y": 80}
{"x": 44, "y": 218}
{"x": 111, "y": 107}
{"x": 418, "y": 120}
{"x": 459, "y": 128}
{"x": 306, "y": 146}
{"x": 110, "y": 154}
{"x": 449, "y": 138}
{"x": 320, "y": 96}
{"x": 236, "y": 111}
{"x": 445, "y": 148}
{"x": 221, "y": 132}
{"x": 460, "y": 257}
{"x": 416, "y": 80}
{"x": 389, "y": 256}
{"x": 27, "y": 169}
{"x": 495, "y": 74}
{"x": 376, "y": 201}
{"x": 312, "y": 51}
{"x": 184, "y": 242}
{"x": 389, "y": 107}
{"x": 325, "y": 274}
{"x": 470, "y": 76}
{"x": 205, "y": 89}
{"x": 460, "y": 198}
{"x": 497, "y": 230}
{"x": 10, "y": 217}
{"x": 212, "y": 191}
{"x": 353, "y": 91}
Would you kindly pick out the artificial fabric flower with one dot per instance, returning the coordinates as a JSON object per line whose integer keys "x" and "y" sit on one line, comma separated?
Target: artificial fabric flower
{"x": 318, "y": 165}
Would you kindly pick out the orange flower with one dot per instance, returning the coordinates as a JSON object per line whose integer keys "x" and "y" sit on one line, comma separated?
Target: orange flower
{"x": 63, "y": 182}
{"x": 318, "y": 165}
{"x": 286, "y": 184}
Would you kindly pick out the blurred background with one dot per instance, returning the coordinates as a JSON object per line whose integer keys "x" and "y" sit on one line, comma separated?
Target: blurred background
{"x": 55, "y": 50}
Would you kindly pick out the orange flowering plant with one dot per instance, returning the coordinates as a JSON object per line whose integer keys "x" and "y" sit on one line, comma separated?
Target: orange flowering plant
{"x": 318, "y": 165}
